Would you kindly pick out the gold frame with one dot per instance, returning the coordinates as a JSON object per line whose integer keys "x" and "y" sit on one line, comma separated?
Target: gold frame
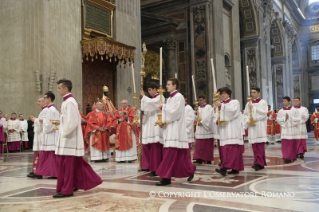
{"x": 87, "y": 32}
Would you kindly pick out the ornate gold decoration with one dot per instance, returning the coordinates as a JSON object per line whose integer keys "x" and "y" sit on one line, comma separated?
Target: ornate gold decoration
{"x": 159, "y": 116}
{"x": 215, "y": 99}
{"x": 152, "y": 64}
{"x": 136, "y": 117}
{"x": 198, "y": 116}
{"x": 56, "y": 123}
{"x": 105, "y": 88}
{"x": 111, "y": 49}
{"x": 251, "y": 119}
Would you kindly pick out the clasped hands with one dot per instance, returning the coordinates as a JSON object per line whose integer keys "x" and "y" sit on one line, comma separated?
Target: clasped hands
{"x": 102, "y": 129}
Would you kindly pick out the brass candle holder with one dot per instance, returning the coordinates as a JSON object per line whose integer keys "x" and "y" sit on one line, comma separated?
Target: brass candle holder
{"x": 197, "y": 111}
{"x": 136, "y": 117}
{"x": 159, "y": 116}
{"x": 215, "y": 99}
{"x": 251, "y": 119}
{"x": 56, "y": 123}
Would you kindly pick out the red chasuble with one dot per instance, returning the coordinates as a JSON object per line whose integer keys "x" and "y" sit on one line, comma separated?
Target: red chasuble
{"x": 315, "y": 125}
{"x": 124, "y": 140}
{"x": 271, "y": 128}
{"x": 100, "y": 140}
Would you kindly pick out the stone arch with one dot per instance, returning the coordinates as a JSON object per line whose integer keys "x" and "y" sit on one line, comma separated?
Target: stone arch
{"x": 277, "y": 39}
{"x": 227, "y": 60}
{"x": 248, "y": 18}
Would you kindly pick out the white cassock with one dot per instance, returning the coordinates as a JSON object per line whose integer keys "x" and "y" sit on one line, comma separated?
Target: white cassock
{"x": 304, "y": 116}
{"x": 257, "y": 133}
{"x": 190, "y": 118}
{"x": 205, "y": 131}
{"x": 5, "y": 124}
{"x": 15, "y": 135}
{"x": 50, "y": 135}
{"x": 150, "y": 133}
{"x": 214, "y": 125}
{"x": 232, "y": 131}
{"x": 70, "y": 140}
{"x": 174, "y": 134}
{"x": 24, "y": 130}
{"x": 290, "y": 126}
{"x": 38, "y": 130}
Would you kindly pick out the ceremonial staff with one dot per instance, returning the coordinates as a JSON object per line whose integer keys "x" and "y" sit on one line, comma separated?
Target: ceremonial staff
{"x": 249, "y": 98}
{"x": 142, "y": 73}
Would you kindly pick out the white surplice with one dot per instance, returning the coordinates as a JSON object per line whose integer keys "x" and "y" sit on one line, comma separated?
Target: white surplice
{"x": 174, "y": 134}
{"x": 50, "y": 135}
{"x": 257, "y": 133}
{"x": 70, "y": 141}
{"x": 150, "y": 133}
{"x": 214, "y": 124}
{"x": 304, "y": 116}
{"x": 15, "y": 135}
{"x": 38, "y": 130}
{"x": 205, "y": 131}
{"x": 290, "y": 126}
{"x": 190, "y": 118}
{"x": 230, "y": 132}
{"x": 24, "y": 130}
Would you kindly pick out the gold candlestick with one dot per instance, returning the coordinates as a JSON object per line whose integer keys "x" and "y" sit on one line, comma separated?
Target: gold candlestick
{"x": 251, "y": 119}
{"x": 198, "y": 116}
{"x": 136, "y": 117}
{"x": 56, "y": 123}
{"x": 159, "y": 116}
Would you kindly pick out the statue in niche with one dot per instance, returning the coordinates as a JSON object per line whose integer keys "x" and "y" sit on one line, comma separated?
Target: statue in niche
{"x": 227, "y": 78}
{"x": 199, "y": 14}
{"x": 279, "y": 91}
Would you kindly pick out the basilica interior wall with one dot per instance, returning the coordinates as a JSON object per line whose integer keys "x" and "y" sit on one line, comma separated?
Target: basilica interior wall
{"x": 127, "y": 30}
{"x": 38, "y": 35}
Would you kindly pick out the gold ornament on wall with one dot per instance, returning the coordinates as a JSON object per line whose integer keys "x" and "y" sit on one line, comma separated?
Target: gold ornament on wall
{"x": 152, "y": 64}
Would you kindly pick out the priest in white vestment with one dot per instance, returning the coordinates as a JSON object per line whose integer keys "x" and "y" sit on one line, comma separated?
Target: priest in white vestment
{"x": 289, "y": 120}
{"x": 14, "y": 138}
{"x": 204, "y": 148}
{"x": 24, "y": 131}
{"x": 48, "y": 165}
{"x": 38, "y": 137}
{"x": 303, "y": 135}
{"x": 257, "y": 135}
{"x": 74, "y": 172}
{"x": 230, "y": 133}
{"x": 152, "y": 143}
{"x": 176, "y": 161}
{"x": 190, "y": 118}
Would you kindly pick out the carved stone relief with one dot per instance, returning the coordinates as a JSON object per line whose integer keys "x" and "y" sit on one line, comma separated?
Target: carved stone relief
{"x": 296, "y": 85}
{"x": 279, "y": 86}
{"x": 251, "y": 62}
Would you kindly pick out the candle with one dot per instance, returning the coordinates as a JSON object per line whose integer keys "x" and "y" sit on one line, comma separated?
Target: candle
{"x": 133, "y": 78}
{"x": 194, "y": 87}
{"x": 213, "y": 74}
{"x": 161, "y": 80}
{"x": 176, "y": 75}
{"x": 248, "y": 83}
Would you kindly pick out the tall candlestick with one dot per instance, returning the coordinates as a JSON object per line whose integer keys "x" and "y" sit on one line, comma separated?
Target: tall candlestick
{"x": 161, "y": 80}
{"x": 194, "y": 87}
{"x": 248, "y": 83}
{"x": 213, "y": 74}
{"x": 176, "y": 75}
{"x": 133, "y": 79}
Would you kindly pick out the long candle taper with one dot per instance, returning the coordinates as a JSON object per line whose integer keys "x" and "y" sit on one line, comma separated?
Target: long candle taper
{"x": 133, "y": 78}
{"x": 213, "y": 73}
{"x": 194, "y": 87}
{"x": 248, "y": 83}
{"x": 161, "y": 82}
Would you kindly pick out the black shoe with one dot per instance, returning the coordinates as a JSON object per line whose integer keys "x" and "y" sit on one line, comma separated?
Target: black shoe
{"x": 208, "y": 162}
{"x": 60, "y": 195}
{"x": 301, "y": 156}
{"x": 220, "y": 163}
{"x": 35, "y": 176}
{"x": 233, "y": 171}
{"x": 52, "y": 178}
{"x": 145, "y": 170}
{"x": 287, "y": 161}
{"x": 254, "y": 166}
{"x": 105, "y": 160}
{"x": 221, "y": 171}
{"x": 153, "y": 174}
{"x": 31, "y": 173}
{"x": 192, "y": 176}
{"x": 267, "y": 142}
{"x": 199, "y": 161}
{"x": 75, "y": 189}
{"x": 260, "y": 167}
{"x": 129, "y": 161}
{"x": 121, "y": 162}
{"x": 164, "y": 182}
{"x": 272, "y": 143}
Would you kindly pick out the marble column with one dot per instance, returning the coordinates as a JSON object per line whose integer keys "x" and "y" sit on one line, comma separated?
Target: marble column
{"x": 170, "y": 48}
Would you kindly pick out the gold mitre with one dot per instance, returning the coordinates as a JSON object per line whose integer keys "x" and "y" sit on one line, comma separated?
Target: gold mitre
{"x": 105, "y": 88}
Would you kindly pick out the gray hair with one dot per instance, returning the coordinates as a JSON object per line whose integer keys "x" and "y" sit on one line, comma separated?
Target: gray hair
{"x": 125, "y": 101}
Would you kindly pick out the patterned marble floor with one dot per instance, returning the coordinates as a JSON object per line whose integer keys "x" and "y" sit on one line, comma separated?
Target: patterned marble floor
{"x": 279, "y": 187}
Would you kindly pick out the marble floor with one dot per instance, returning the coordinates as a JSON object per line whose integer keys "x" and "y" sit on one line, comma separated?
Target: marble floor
{"x": 279, "y": 187}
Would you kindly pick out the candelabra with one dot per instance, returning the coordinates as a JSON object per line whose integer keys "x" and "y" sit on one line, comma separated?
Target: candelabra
{"x": 251, "y": 119}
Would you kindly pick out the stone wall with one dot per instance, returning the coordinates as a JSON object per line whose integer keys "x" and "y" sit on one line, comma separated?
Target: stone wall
{"x": 38, "y": 35}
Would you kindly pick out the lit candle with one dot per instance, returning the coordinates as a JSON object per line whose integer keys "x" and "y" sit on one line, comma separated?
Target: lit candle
{"x": 176, "y": 75}
{"x": 248, "y": 83}
{"x": 161, "y": 80}
{"x": 194, "y": 87}
{"x": 133, "y": 78}
{"x": 213, "y": 74}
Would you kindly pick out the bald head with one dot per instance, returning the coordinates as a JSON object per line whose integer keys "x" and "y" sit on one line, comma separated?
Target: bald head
{"x": 124, "y": 104}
